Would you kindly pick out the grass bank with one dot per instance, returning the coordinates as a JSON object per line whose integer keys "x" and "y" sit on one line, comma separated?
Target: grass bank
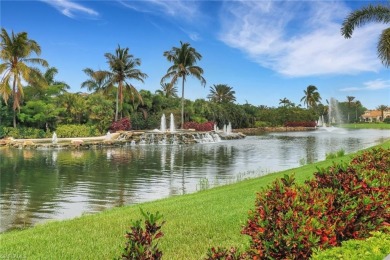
{"x": 194, "y": 223}
{"x": 367, "y": 126}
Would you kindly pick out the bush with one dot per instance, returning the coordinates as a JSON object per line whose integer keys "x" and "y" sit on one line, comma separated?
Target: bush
{"x": 121, "y": 125}
{"x": 386, "y": 120}
{"x": 261, "y": 124}
{"x": 375, "y": 247}
{"x": 208, "y": 126}
{"x": 342, "y": 202}
{"x": 67, "y": 131}
{"x": 301, "y": 124}
{"x": 141, "y": 240}
{"x": 22, "y": 132}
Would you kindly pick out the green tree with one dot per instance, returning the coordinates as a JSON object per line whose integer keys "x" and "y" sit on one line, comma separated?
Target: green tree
{"x": 100, "y": 111}
{"x": 349, "y": 100}
{"x": 123, "y": 67}
{"x": 39, "y": 114}
{"x": 285, "y": 102}
{"x": 221, "y": 93}
{"x": 382, "y": 108}
{"x": 311, "y": 97}
{"x": 184, "y": 60}
{"x": 167, "y": 90}
{"x": 371, "y": 13}
{"x": 16, "y": 52}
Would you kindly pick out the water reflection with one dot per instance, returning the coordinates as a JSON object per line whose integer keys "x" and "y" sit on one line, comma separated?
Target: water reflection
{"x": 56, "y": 184}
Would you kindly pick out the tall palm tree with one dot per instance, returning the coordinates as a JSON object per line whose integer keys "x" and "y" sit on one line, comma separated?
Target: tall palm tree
{"x": 311, "y": 97}
{"x": 16, "y": 51}
{"x": 285, "y": 102}
{"x": 349, "y": 100}
{"x": 184, "y": 60}
{"x": 382, "y": 108}
{"x": 98, "y": 80}
{"x": 123, "y": 66}
{"x": 221, "y": 93}
{"x": 372, "y": 13}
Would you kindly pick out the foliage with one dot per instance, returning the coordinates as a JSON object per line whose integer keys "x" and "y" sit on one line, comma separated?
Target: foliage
{"x": 342, "y": 202}
{"x": 22, "y": 132}
{"x": 375, "y": 247}
{"x": 208, "y": 126}
{"x": 386, "y": 120}
{"x": 37, "y": 113}
{"x": 339, "y": 153}
{"x": 221, "y": 93}
{"x": 261, "y": 124}
{"x": 67, "y": 131}
{"x": 123, "y": 124}
{"x": 141, "y": 243}
{"x": 300, "y": 124}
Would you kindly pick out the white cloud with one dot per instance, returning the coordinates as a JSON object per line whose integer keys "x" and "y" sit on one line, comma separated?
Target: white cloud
{"x": 299, "y": 38}
{"x": 173, "y": 8}
{"x": 372, "y": 85}
{"x": 69, "y": 8}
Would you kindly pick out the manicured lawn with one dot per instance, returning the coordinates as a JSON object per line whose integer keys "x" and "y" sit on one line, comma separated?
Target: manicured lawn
{"x": 194, "y": 223}
{"x": 366, "y": 126}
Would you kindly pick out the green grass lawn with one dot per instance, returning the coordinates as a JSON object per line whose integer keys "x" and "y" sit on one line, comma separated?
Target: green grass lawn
{"x": 194, "y": 223}
{"x": 366, "y": 126}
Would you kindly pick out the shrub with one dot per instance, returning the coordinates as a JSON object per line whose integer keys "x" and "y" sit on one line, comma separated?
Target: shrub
{"x": 375, "y": 247}
{"x": 123, "y": 124}
{"x": 141, "y": 242}
{"x": 208, "y": 126}
{"x": 301, "y": 124}
{"x": 22, "y": 132}
{"x": 67, "y": 131}
{"x": 386, "y": 120}
{"x": 222, "y": 253}
{"x": 261, "y": 124}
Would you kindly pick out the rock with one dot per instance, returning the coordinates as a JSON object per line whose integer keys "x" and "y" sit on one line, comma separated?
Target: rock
{"x": 28, "y": 143}
{"x": 77, "y": 142}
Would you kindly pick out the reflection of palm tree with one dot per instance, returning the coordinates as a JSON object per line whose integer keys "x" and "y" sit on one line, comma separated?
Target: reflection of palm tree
{"x": 123, "y": 66}
{"x": 371, "y": 13}
{"x": 221, "y": 93}
{"x": 311, "y": 97}
{"x": 184, "y": 59}
{"x": 15, "y": 52}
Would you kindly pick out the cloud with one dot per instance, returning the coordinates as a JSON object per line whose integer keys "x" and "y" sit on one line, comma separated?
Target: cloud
{"x": 69, "y": 8}
{"x": 174, "y": 8}
{"x": 373, "y": 85}
{"x": 299, "y": 38}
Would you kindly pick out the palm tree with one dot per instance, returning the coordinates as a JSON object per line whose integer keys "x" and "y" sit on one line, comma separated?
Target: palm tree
{"x": 184, "y": 59}
{"x": 221, "y": 93}
{"x": 284, "y": 101}
{"x": 98, "y": 80}
{"x": 167, "y": 90}
{"x": 349, "y": 100}
{"x": 382, "y": 108}
{"x": 123, "y": 66}
{"x": 16, "y": 51}
{"x": 371, "y": 13}
{"x": 311, "y": 97}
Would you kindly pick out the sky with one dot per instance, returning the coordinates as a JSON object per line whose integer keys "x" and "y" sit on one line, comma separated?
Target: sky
{"x": 264, "y": 50}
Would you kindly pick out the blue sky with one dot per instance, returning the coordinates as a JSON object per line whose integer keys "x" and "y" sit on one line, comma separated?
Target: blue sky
{"x": 265, "y": 50}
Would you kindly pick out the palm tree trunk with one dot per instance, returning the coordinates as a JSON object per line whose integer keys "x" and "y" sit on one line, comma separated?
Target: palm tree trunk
{"x": 117, "y": 100}
{"x": 182, "y": 103}
{"x": 14, "y": 95}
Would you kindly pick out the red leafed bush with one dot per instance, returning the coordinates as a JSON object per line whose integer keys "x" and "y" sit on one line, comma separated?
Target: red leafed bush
{"x": 300, "y": 124}
{"x": 208, "y": 126}
{"x": 123, "y": 124}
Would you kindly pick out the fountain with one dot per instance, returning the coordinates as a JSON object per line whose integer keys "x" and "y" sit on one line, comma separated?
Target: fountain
{"x": 334, "y": 115}
{"x": 54, "y": 138}
{"x": 229, "y": 129}
{"x": 172, "y": 124}
{"x": 163, "y": 127}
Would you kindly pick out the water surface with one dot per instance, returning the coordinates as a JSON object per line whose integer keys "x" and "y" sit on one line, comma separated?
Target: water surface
{"x": 39, "y": 185}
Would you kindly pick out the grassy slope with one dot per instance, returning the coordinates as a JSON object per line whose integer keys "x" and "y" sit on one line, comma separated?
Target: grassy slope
{"x": 194, "y": 223}
{"x": 366, "y": 126}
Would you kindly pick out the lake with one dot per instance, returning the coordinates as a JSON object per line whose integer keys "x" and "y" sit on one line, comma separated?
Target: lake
{"x": 41, "y": 185}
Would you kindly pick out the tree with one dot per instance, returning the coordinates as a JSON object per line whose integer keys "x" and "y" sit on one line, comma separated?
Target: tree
{"x": 98, "y": 80}
{"x": 16, "y": 51}
{"x": 285, "y": 102}
{"x": 123, "y": 66}
{"x": 167, "y": 90}
{"x": 349, "y": 100}
{"x": 221, "y": 93}
{"x": 382, "y": 108}
{"x": 372, "y": 13}
{"x": 311, "y": 97}
{"x": 184, "y": 60}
